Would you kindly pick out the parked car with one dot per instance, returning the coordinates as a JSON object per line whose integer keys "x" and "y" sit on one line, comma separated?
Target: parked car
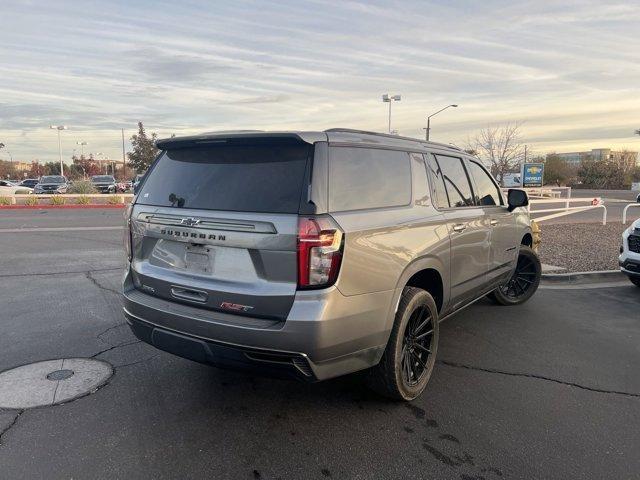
{"x": 317, "y": 254}
{"x": 629, "y": 259}
{"x": 123, "y": 186}
{"x": 104, "y": 183}
{"x": 29, "y": 182}
{"x": 51, "y": 184}
{"x": 11, "y": 188}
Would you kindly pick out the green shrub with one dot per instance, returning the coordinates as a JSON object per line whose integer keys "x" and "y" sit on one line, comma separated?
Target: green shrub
{"x": 5, "y": 201}
{"x": 56, "y": 200}
{"x": 113, "y": 200}
{"x": 84, "y": 187}
{"x": 83, "y": 200}
{"x": 32, "y": 200}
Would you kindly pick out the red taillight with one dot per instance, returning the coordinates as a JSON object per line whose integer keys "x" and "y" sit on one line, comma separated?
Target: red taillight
{"x": 319, "y": 252}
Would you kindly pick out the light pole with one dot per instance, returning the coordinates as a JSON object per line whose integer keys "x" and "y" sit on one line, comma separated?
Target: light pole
{"x": 388, "y": 99}
{"x": 101, "y": 161}
{"x": 428, "y": 129}
{"x": 59, "y": 128}
{"x": 82, "y": 144}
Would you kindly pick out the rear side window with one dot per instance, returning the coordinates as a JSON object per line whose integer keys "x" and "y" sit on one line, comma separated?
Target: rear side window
{"x": 455, "y": 181}
{"x": 435, "y": 174}
{"x": 361, "y": 178}
{"x": 265, "y": 178}
{"x": 486, "y": 192}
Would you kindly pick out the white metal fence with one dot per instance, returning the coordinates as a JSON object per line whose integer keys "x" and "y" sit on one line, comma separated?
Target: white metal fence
{"x": 594, "y": 203}
{"x": 624, "y": 211}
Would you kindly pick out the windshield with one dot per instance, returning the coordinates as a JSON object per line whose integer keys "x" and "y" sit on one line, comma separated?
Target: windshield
{"x": 249, "y": 178}
{"x": 52, "y": 179}
{"x": 102, "y": 179}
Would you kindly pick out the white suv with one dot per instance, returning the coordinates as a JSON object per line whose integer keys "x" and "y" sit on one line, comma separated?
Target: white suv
{"x": 629, "y": 259}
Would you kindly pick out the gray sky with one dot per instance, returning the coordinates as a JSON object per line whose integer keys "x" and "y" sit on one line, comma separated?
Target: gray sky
{"x": 569, "y": 71}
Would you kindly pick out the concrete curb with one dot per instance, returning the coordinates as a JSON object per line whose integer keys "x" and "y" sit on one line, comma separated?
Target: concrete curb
{"x": 73, "y": 206}
{"x": 601, "y": 276}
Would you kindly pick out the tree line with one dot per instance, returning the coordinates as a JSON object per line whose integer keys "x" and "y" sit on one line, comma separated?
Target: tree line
{"x": 143, "y": 153}
{"x": 501, "y": 148}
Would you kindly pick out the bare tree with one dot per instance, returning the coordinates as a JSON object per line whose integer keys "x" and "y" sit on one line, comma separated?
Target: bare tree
{"x": 500, "y": 147}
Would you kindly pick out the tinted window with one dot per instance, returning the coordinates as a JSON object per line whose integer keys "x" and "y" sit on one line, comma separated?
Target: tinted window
{"x": 486, "y": 192}
{"x": 435, "y": 174}
{"x": 52, "y": 179}
{"x": 455, "y": 181}
{"x": 250, "y": 178}
{"x": 362, "y": 178}
{"x": 102, "y": 178}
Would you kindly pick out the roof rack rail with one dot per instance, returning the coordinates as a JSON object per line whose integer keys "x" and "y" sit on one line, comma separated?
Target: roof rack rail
{"x": 379, "y": 134}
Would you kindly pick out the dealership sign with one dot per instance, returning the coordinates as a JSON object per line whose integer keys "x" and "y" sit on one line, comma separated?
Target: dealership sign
{"x": 532, "y": 174}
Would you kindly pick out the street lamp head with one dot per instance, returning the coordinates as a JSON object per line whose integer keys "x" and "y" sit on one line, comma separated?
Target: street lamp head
{"x": 455, "y": 106}
{"x": 58, "y": 127}
{"x": 390, "y": 98}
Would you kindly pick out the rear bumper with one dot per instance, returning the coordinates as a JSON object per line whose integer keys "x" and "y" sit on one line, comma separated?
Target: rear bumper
{"x": 222, "y": 355}
{"x": 325, "y": 335}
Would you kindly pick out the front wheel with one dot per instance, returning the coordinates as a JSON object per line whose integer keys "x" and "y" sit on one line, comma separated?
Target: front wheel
{"x": 408, "y": 360}
{"x": 635, "y": 281}
{"x": 523, "y": 283}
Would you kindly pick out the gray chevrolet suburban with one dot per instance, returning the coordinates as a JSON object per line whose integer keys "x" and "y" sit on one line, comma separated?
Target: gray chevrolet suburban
{"x": 318, "y": 254}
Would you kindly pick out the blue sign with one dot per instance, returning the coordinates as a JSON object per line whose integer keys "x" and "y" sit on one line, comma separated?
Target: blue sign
{"x": 532, "y": 174}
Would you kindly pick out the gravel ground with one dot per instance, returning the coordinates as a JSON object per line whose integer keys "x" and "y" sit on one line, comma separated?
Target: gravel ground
{"x": 581, "y": 247}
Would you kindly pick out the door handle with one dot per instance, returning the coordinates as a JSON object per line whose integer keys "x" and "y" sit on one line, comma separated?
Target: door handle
{"x": 459, "y": 227}
{"x": 493, "y": 222}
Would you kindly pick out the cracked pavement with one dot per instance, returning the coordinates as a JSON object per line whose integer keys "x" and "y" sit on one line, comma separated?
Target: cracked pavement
{"x": 549, "y": 389}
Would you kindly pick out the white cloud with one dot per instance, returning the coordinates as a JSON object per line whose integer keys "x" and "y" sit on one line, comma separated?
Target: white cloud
{"x": 567, "y": 70}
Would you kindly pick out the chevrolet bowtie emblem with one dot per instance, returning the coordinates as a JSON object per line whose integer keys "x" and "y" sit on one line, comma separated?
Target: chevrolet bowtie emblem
{"x": 189, "y": 222}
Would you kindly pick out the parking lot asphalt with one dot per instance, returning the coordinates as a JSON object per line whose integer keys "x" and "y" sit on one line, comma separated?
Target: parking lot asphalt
{"x": 549, "y": 389}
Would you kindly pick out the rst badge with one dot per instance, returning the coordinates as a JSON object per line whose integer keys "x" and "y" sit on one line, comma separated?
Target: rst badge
{"x": 236, "y": 307}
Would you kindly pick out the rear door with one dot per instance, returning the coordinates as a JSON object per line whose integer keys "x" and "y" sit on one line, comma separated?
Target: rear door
{"x": 215, "y": 225}
{"x": 469, "y": 230}
{"x": 504, "y": 241}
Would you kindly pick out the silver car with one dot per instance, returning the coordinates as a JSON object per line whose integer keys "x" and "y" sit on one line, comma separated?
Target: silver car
{"x": 318, "y": 254}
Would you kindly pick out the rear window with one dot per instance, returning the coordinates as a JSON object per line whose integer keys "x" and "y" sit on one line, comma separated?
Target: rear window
{"x": 362, "y": 178}
{"x": 251, "y": 178}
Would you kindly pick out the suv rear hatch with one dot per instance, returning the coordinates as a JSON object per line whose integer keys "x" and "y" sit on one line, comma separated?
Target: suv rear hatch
{"x": 215, "y": 224}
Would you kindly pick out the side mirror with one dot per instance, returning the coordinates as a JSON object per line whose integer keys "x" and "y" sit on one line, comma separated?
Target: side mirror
{"x": 517, "y": 198}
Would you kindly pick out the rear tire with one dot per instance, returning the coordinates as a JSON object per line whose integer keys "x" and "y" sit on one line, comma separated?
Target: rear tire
{"x": 408, "y": 360}
{"x": 635, "y": 281}
{"x": 524, "y": 282}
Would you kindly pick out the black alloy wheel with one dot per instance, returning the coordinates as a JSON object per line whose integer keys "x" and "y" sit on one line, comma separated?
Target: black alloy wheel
{"x": 418, "y": 345}
{"x": 410, "y": 355}
{"x": 524, "y": 281}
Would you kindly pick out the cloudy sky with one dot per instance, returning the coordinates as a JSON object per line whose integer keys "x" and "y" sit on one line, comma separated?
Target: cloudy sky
{"x": 568, "y": 70}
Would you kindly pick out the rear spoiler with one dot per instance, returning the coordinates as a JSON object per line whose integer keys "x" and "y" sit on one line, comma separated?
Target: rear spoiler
{"x": 239, "y": 137}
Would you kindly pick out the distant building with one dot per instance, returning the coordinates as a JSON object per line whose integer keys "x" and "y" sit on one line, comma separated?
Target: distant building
{"x": 22, "y": 166}
{"x": 598, "y": 154}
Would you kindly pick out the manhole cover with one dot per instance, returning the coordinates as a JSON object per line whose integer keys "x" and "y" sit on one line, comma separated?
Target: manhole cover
{"x": 51, "y": 382}
{"x": 58, "y": 375}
